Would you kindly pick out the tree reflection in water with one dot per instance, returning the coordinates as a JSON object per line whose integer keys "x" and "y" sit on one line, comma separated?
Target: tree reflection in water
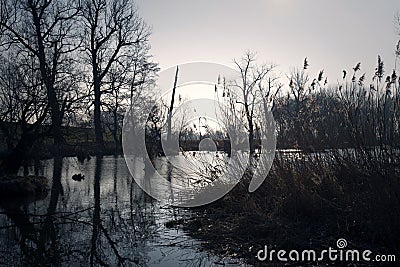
{"x": 104, "y": 220}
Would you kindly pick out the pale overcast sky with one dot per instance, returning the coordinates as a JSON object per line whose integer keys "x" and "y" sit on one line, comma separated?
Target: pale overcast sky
{"x": 333, "y": 34}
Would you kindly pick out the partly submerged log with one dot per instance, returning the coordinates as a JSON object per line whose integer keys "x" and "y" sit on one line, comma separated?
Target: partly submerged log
{"x": 23, "y": 186}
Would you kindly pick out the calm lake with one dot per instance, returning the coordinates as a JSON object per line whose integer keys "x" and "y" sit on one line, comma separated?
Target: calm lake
{"x": 103, "y": 220}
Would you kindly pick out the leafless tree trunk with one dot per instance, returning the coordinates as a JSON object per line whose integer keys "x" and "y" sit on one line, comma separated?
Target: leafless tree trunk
{"x": 39, "y": 37}
{"x": 171, "y": 107}
{"x": 43, "y": 29}
{"x": 126, "y": 83}
{"x": 252, "y": 90}
{"x": 111, "y": 28}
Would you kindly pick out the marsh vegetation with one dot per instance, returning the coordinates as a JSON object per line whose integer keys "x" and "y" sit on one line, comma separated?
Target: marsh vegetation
{"x": 69, "y": 72}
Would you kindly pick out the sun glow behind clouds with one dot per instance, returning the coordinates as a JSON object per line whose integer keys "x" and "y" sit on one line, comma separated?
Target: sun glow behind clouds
{"x": 333, "y": 34}
{"x": 189, "y": 107}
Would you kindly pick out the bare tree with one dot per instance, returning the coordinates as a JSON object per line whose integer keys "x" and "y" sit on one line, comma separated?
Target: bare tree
{"x": 37, "y": 41}
{"x": 125, "y": 84}
{"x": 44, "y": 29}
{"x": 23, "y": 107}
{"x": 256, "y": 87}
{"x": 110, "y": 30}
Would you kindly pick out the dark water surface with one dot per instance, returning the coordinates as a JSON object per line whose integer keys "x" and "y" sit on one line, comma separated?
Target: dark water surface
{"x": 104, "y": 220}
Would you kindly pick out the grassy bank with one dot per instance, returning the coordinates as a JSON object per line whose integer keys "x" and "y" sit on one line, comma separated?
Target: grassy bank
{"x": 308, "y": 201}
{"x": 78, "y": 141}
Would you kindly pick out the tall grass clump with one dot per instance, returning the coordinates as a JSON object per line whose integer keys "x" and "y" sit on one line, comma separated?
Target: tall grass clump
{"x": 343, "y": 181}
